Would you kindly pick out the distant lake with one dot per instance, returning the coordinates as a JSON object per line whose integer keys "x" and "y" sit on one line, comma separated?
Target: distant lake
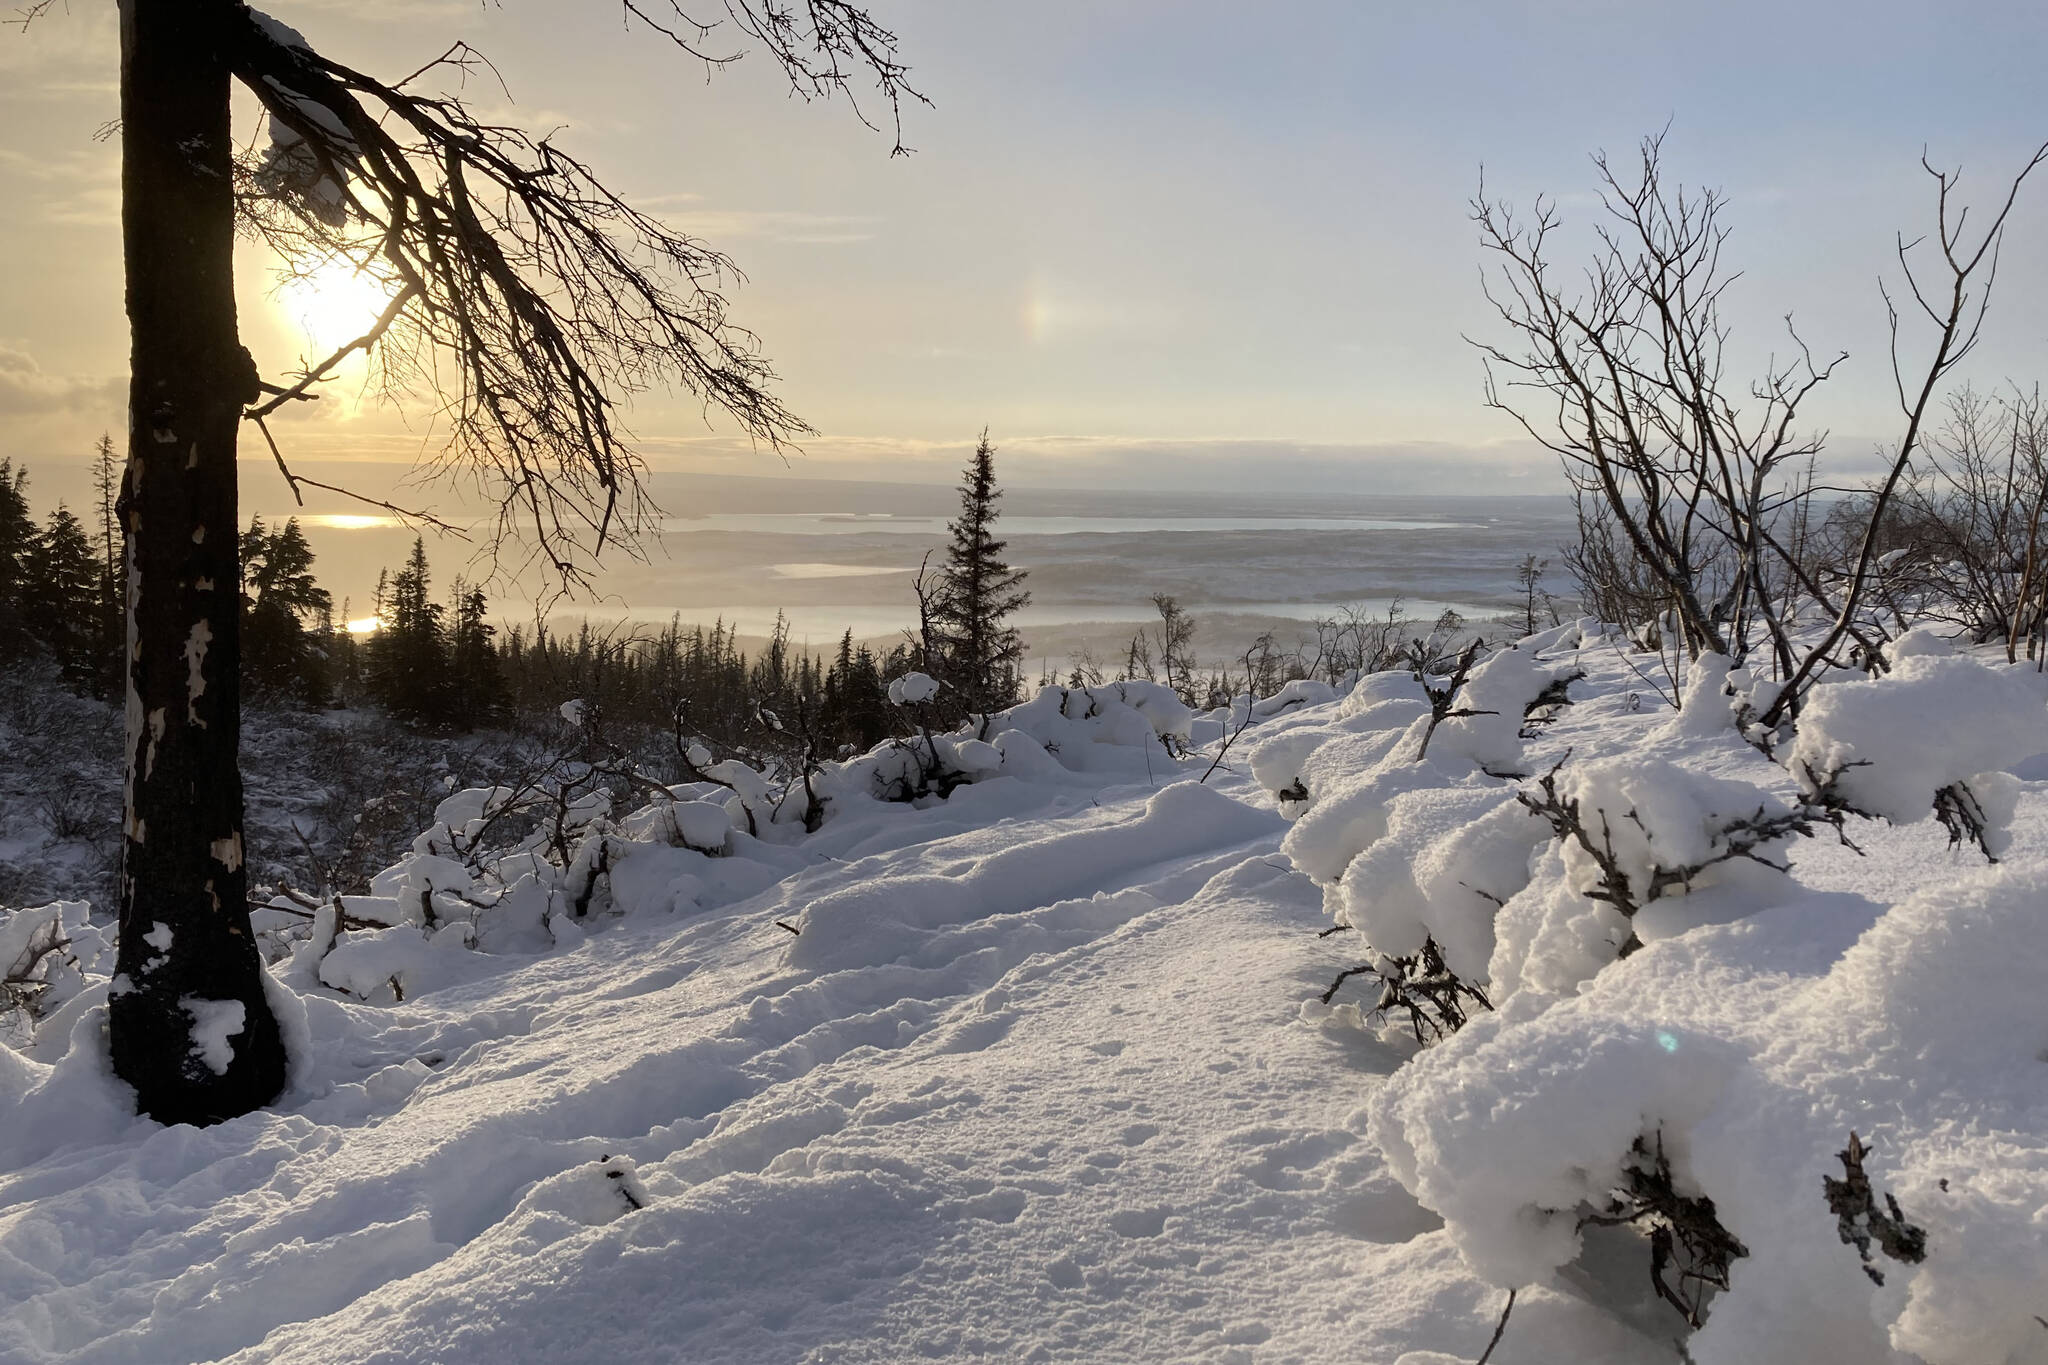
{"x": 1238, "y": 565}
{"x": 824, "y": 624}
{"x": 841, "y": 523}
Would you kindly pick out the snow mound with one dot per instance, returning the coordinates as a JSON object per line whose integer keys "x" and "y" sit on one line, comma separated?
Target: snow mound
{"x": 1889, "y": 745}
{"x": 1757, "y": 1058}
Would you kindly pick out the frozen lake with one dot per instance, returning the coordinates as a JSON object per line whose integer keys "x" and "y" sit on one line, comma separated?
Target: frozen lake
{"x": 838, "y": 557}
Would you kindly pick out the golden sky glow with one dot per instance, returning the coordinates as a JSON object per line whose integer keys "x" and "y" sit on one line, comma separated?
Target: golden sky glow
{"x": 1172, "y": 227}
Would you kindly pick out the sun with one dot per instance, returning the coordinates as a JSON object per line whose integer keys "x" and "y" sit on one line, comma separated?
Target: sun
{"x": 333, "y": 303}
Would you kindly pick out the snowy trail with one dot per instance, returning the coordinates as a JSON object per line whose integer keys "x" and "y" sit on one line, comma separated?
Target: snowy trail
{"x": 863, "y": 1153}
{"x": 1007, "y": 1154}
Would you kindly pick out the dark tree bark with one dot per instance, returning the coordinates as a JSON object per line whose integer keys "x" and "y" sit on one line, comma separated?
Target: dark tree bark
{"x": 187, "y": 961}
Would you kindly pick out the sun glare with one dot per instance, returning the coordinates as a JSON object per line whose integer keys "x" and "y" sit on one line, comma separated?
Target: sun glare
{"x": 333, "y": 303}
{"x": 347, "y": 521}
{"x": 363, "y": 625}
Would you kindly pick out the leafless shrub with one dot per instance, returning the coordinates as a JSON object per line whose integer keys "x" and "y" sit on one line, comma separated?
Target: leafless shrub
{"x": 1966, "y": 520}
{"x": 1861, "y": 1222}
{"x": 1694, "y": 506}
{"x": 1627, "y": 386}
{"x": 1443, "y": 696}
{"x": 1543, "y": 709}
{"x": 1954, "y": 296}
{"x": 1176, "y": 640}
{"x": 1962, "y": 815}
{"x": 1436, "y": 1000}
{"x": 1686, "y": 1234}
{"x": 1749, "y": 836}
{"x": 71, "y": 814}
{"x": 25, "y": 980}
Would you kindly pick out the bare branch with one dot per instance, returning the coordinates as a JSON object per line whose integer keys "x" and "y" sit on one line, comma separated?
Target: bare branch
{"x": 528, "y": 300}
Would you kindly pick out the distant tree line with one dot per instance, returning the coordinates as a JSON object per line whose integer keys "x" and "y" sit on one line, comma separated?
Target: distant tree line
{"x": 439, "y": 662}
{"x": 443, "y": 664}
{"x": 59, "y": 590}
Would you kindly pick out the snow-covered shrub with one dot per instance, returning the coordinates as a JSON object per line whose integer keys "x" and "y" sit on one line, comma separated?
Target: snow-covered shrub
{"x": 1276, "y": 765}
{"x": 923, "y": 766}
{"x": 1349, "y": 782}
{"x": 1298, "y": 764}
{"x": 526, "y": 865}
{"x": 1124, "y": 727}
{"x": 705, "y": 826}
{"x": 1479, "y": 717}
{"x": 1932, "y": 737}
{"x": 1116, "y": 727}
{"x": 1412, "y": 830}
{"x": 913, "y": 689}
{"x": 1450, "y": 858}
{"x": 1731, "y": 1064}
{"x": 45, "y": 954}
{"x": 1394, "y": 684}
{"x": 1645, "y": 850}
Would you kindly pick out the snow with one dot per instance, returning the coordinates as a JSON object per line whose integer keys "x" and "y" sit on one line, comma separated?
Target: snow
{"x": 195, "y": 669}
{"x": 1888, "y": 744}
{"x": 214, "y": 1025}
{"x": 1020, "y": 1054}
{"x": 913, "y": 688}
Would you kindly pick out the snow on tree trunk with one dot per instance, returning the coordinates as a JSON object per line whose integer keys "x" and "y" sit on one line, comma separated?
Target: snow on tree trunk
{"x": 188, "y": 964}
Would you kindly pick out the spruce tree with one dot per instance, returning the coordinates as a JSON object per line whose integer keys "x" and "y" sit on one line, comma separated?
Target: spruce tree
{"x": 477, "y": 693}
{"x": 409, "y": 671}
{"x": 979, "y": 592}
{"x": 282, "y": 609}
{"x": 110, "y": 619}
{"x": 17, "y": 541}
{"x": 61, "y": 574}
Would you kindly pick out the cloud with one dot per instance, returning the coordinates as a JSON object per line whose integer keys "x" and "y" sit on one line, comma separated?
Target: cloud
{"x": 718, "y": 226}
{"x": 80, "y": 187}
{"x": 384, "y": 12}
{"x": 25, "y": 390}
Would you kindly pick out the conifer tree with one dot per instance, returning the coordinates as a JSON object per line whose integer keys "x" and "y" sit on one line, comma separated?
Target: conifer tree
{"x": 17, "y": 539}
{"x": 61, "y": 574}
{"x": 476, "y": 685}
{"x": 409, "y": 670}
{"x": 112, "y": 628}
{"x": 286, "y": 614}
{"x": 867, "y": 701}
{"x": 979, "y": 592}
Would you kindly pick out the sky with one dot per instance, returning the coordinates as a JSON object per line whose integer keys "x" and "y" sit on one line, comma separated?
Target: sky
{"x": 1144, "y": 242}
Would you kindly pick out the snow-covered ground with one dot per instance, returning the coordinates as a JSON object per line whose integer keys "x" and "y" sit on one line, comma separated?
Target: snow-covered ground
{"x": 1045, "y": 1075}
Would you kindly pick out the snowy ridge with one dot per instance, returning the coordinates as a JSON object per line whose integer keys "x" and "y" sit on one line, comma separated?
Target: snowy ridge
{"x": 1044, "y": 1076}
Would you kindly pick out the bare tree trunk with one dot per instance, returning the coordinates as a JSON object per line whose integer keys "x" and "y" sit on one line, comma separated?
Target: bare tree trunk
{"x": 190, "y": 1027}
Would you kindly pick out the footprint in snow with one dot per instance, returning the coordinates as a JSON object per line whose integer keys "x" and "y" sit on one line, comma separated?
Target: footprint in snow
{"x": 1382, "y": 1212}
